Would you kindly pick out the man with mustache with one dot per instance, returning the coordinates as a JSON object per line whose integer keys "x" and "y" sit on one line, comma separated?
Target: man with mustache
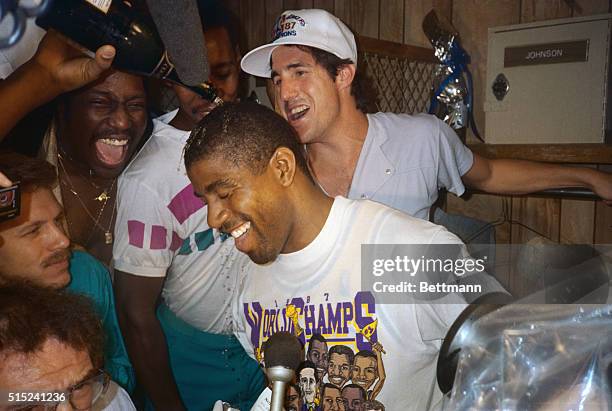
{"x": 34, "y": 248}
{"x": 246, "y": 162}
{"x": 174, "y": 275}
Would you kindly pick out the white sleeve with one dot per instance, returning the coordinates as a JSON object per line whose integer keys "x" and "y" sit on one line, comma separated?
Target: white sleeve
{"x": 145, "y": 238}
{"x": 454, "y": 159}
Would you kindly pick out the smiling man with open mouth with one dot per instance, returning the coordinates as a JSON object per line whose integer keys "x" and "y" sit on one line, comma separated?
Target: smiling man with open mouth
{"x": 97, "y": 130}
{"x": 101, "y": 125}
{"x": 246, "y": 162}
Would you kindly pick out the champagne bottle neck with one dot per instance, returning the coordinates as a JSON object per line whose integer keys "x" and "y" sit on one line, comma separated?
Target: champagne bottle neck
{"x": 206, "y": 91}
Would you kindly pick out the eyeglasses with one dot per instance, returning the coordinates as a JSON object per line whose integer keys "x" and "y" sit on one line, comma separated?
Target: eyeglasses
{"x": 81, "y": 396}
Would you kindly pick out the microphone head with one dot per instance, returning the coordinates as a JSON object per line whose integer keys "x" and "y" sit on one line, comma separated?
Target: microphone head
{"x": 179, "y": 26}
{"x": 283, "y": 349}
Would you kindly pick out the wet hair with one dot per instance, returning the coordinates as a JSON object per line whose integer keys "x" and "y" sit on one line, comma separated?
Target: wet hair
{"x": 30, "y": 316}
{"x": 342, "y": 350}
{"x": 373, "y": 405}
{"x": 307, "y": 364}
{"x": 244, "y": 134}
{"x": 32, "y": 173}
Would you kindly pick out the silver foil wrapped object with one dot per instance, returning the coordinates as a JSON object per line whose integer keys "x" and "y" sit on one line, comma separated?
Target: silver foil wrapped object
{"x": 452, "y": 95}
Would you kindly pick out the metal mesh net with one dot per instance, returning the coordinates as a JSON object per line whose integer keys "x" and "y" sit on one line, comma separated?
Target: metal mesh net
{"x": 403, "y": 86}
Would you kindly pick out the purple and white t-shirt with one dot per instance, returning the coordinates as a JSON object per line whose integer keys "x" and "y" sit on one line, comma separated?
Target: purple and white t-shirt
{"x": 316, "y": 293}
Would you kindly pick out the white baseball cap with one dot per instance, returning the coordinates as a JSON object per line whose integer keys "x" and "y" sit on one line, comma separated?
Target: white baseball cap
{"x": 310, "y": 27}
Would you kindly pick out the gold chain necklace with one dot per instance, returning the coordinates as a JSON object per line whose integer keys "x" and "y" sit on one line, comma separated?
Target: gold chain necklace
{"x": 103, "y": 197}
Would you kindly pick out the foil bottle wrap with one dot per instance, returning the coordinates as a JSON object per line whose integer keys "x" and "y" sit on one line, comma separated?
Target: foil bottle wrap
{"x": 451, "y": 89}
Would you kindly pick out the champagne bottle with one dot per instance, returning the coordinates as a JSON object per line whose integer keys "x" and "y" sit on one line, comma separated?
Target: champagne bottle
{"x": 129, "y": 28}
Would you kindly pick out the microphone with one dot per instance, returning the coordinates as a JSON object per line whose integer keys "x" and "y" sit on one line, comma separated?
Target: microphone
{"x": 179, "y": 26}
{"x": 282, "y": 354}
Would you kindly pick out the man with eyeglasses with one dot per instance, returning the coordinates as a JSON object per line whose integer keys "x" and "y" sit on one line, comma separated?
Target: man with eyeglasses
{"x": 51, "y": 353}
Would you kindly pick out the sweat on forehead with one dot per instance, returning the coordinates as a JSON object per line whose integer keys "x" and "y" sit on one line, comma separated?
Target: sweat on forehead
{"x": 244, "y": 134}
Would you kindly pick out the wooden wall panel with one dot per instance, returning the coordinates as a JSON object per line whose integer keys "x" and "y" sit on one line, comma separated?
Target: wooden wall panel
{"x": 483, "y": 207}
{"x": 540, "y": 215}
{"x": 588, "y": 7}
{"x": 324, "y": 4}
{"x": 253, "y": 17}
{"x": 366, "y": 17}
{"x": 297, "y": 4}
{"x": 577, "y": 224}
{"x": 360, "y": 15}
{"x": 234, "y": 7}
{"x": 603, "y": 218}
{"x": 342, "y": 9}
{"x": 537, "y": 10}
{"x": 415, "y": 11}
{"x": 273, "y": 9}
{"x": 391, "y": 25}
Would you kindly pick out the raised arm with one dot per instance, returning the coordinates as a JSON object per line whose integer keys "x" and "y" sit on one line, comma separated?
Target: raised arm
{"x": 136, "y": 299}
{"x": 521, "y": 177}
{"x": 56, "y": 68}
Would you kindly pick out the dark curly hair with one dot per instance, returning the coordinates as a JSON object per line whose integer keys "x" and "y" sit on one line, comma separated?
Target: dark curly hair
{"x": 30, "y": 316}
{"x": 244, "y": 134}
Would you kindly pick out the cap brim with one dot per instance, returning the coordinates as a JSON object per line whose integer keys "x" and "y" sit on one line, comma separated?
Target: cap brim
{"x": 257, "y": 61}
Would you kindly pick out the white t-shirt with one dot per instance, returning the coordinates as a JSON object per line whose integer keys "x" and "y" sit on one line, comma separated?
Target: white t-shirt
{"x": 406, "y": 159}
{"x": 323, "y": 282}
{"x": 161, "y": 231}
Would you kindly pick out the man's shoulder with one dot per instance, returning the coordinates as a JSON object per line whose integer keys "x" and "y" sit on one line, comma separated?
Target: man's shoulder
{"x": 161, "y": 153}
{"x": 83, "y": 261}
{"x": 89, "y": 276}
{"x": 401, "y": 125}
{"x": 407, "y": 140}
{"x": 391, "y": 226}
